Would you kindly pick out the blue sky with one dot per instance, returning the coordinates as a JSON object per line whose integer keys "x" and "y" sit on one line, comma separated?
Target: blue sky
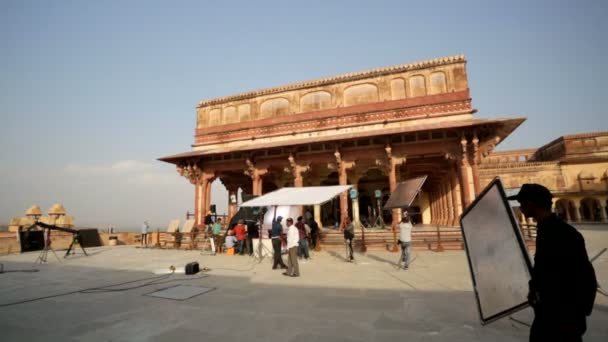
{"x": 92, "y": 92}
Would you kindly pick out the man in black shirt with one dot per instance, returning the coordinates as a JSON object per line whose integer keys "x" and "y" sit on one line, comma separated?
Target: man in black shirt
{"x": 563, "y": 284}
{"x": 276, "y": 236}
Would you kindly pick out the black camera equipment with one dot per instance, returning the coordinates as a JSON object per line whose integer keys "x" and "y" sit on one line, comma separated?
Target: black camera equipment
{"x": 76, "y": 239}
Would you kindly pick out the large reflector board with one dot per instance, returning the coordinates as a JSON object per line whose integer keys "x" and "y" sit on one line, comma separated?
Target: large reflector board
{"x": 404, "y": 193}
{"x": 499, "y": 262}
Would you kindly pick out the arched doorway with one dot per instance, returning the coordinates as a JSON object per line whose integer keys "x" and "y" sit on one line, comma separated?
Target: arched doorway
{"x": 572, "y": 211}
{"x": 371, "y": 184}
{"x": 590, "y": 210}
{"x": 562, "y": 209}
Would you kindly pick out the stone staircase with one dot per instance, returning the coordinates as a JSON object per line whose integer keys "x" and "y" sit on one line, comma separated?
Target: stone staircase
{"x": 423, "y": 237}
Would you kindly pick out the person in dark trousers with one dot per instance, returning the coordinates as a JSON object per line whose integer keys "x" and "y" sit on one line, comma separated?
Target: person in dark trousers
{"x": 314, "y": 232}
{"x": 349, "y": 235}
{"x": 405, "y": 239}
{"x": 240, "y": 231}
{"x": 208, "y": 222}
{"x": 275, "y": 236}
{"x": 563, "y": 284}
{"x": 303, "y": 248}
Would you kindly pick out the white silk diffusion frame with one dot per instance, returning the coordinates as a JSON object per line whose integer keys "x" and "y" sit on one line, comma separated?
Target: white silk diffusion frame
{"x": 498, "y": 259}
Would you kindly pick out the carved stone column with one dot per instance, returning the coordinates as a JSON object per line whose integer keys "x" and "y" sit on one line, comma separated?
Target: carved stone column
{"x": 256, "y": 174}
{"x": 475, "y": 164}
{"x": 392, "y": 163}
{"x": 446, "y": 207}
{"x": 354, "y": 180}
{"x": 432, "y": 205}
{"x": 455, "y": 198}
{"x": 208, "y": 186}
{"x": 297, "y": 171}
{"x": 464, "y": 175}
{"x": 317, "y": 209}
{"x": 451, "y": 208}
{"x": 577, "y": 210}
{"x": 200, "y": 180}
{"x": 603, "y": 211}
{"x": 232, "y": 201}
{"x": 342, "y": 167}
{"x": 567, "y": 204}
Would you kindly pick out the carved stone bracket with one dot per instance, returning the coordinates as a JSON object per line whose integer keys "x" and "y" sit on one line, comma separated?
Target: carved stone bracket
{"x": 194, "y": 173}
{"x": 475, "y": 156}
{"x": 463, "y": 144}
{"x": 489, "y": 146}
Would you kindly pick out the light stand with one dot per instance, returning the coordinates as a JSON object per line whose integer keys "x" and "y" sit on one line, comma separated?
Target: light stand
{"x": 261, "y": 248}
{"x": 379, "y": 219}
{"x": 42, "y": 257}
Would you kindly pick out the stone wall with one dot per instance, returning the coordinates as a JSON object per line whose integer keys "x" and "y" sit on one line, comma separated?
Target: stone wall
{"x": 431, "y": 77}
{"x": 61, "y": 240}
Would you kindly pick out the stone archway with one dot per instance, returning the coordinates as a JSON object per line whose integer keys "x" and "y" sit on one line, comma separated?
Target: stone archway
{"x": 590, "y": 210}
{"x": 562, "y": 209}
{"x": 371, "y": 180}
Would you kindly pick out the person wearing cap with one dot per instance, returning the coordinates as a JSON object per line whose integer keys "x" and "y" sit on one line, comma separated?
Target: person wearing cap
{"x": 563, "y": 284}
{"x": 405, "y": 239}
{"x": 275, "y": 236}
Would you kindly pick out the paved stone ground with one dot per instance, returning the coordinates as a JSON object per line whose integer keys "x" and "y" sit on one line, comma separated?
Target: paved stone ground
{"x": 332, "y": 300}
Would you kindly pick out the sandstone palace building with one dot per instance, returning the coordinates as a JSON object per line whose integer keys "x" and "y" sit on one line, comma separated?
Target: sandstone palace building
{"x": 374, "y": 128}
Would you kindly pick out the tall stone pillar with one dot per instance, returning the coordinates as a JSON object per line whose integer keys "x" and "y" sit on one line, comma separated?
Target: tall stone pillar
{"x": 317, "y": 209}
{"x": 568, "y": 218}
{"x": 475, "y": 165}
{"x": 197, "y": 202}
{"x": 232, "y": 201}
{"x": 437, "y": 215}
{"x": 577, "y": 210}
{"x": 343, "y": 166}
{"x": 603, "y": 212}
{"x": 298, "y": 179}
{"x": 256, "y": 173}
{"x": 439, "y": 207}
{"x": 464, "y": 175}
{"x": 433, "y": 207}
{"x": 208, "y": 195}
{"x": 455, "y": 198}
{"x": 343, "y": 180}
{"x": 446, "y": 206}
{"x": 393, "y": 163}
{"x": 464, "y": 186}
{"x": 449, "y": 200}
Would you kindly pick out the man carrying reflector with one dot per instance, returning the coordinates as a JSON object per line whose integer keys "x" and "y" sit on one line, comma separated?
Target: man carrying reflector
{"x": 563, "y": 284}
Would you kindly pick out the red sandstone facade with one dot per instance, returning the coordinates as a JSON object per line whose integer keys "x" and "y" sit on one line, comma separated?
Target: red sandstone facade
{"x": 370, "y": 129}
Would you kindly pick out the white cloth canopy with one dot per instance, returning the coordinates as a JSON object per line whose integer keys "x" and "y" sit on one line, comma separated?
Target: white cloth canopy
{"x": 309, "y": 195}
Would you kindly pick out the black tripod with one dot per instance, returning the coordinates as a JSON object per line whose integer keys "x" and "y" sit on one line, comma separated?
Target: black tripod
{"x": 42, "y": 257}
{"x": 76, "y": 239}
{"x": 379, "y": 221}
{"x": 262, "y": 249}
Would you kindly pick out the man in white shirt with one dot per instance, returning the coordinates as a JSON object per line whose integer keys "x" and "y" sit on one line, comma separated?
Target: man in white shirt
{"x": 145, "y": 229}
{"x": 293, "y": 238}
{"x": 405, "y": 237}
